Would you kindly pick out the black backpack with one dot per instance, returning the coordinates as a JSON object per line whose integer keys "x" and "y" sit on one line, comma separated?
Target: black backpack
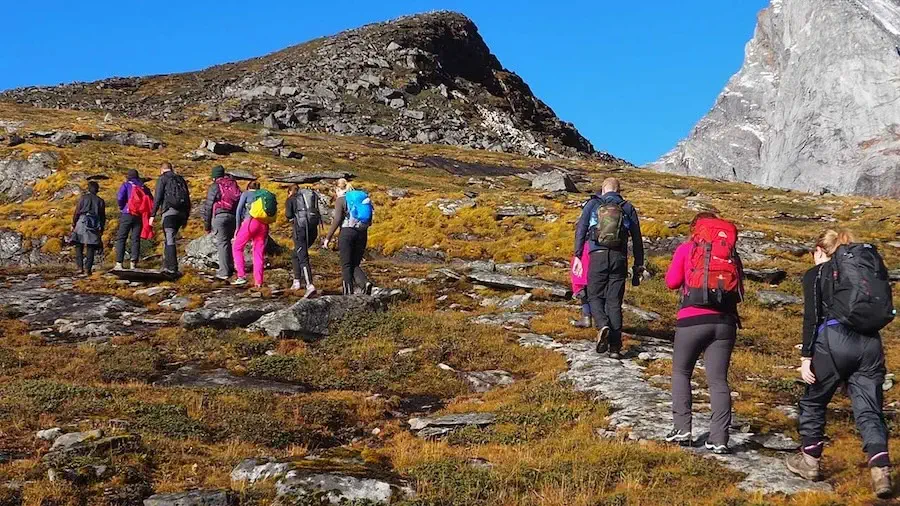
{"x": 307, "y": 210}
{"x": 861, "y": 297}
{"x": 177, "y": 195}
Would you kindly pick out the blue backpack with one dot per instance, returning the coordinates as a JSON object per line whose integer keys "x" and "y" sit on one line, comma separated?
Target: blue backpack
{"x": 360, "y": 208}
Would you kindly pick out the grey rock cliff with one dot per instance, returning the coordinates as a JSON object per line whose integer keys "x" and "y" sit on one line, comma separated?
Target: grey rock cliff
{"x": 815, "y": 106}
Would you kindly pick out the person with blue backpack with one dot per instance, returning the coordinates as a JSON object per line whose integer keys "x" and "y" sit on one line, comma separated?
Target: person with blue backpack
{"x": 88, "y": 224}
{"x": 607, "y": 220}
{"x": 353, "y": 214}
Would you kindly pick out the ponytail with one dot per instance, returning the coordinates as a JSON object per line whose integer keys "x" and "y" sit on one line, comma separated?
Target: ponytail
{"x": 831, "y": 240}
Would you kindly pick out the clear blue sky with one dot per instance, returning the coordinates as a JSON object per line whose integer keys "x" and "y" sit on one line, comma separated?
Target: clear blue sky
{"x": 634, "y": 76}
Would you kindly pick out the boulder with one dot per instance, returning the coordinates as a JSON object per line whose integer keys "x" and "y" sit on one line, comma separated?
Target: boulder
{"x": 510, "y": 303}
{"x": 227, "y": 312}
{"x": 773, "y": 298}
{"x": 554, "y": 181}
{"x": 683, "y": 192}
{"x": 417, "y": 115}
{"x": 71, "y": 439}
{"x": 145, "y": 275}
{"x": 312, "y": 177}
{"x": 193, "y": 377}
{"x": 288, "y": 153}
{"x": 272, "y": 142}
{"x": 398, "y": 193}
{"x": 241, "y": 175}
{"x": 507, "y": 282}
{"x": 14, "y": 139}
{"x": 135, "y": 139}
{"x": 17, "y": 176}
{"x": 484, "y": 381}
{"x": 506, "y": 320}
{"x": 768, "y": 276}
{"x": 49, "y": 434}
{"x": 434, "y": 428}
{"x": 63, "y": 139}
{"x": 335, "y": 488}
{"x": 250, "y": 471}
{"x": 221, "y": 148}
{"x": 517, "y": 210}
{"x": 313, "y": 318}
{"x": 450, "y": 207}
{"x": 175, "y": 303}
{"x": 193, "y": 498}
{"x": 201, "y": 253}
{"x": 414, "y": 254}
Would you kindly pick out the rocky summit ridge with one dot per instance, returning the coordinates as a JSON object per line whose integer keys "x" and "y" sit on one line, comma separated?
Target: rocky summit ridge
{"x": 427, "y": 78}
{"x": 814, "y": 107}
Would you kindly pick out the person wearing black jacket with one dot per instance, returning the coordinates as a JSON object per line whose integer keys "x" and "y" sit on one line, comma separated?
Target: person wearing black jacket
{"x": 88, "y": 224}
{"x": 833, "y": 354}
{"x": 306, "y": 229}
{"x": 174, "y": 219}
{"x": 609, "y": 267}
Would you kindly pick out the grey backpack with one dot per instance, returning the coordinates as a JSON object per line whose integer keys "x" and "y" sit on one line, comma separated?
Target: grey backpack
{"x": 307, "y": 211}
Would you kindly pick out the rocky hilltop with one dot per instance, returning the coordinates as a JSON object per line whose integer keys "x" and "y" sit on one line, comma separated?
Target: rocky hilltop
{"x": 815, "y": 106}
{"x": 427, "y": 78}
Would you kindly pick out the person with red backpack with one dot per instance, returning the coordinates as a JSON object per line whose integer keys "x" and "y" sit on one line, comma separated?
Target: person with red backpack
{"x": 708, "y": 272}
{"x": 847, "y": 301}
{"x": 219, "y": 217}
{"x": 134, "y": 203}
{"x": 607, "y": 220}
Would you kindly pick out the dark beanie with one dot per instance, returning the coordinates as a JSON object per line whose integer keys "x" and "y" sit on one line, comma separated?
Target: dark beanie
{"x": 218, "y": 171}
{"x": 133, "y": 174}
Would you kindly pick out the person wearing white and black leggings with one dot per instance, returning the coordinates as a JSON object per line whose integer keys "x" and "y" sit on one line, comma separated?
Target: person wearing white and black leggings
{"x": 351, "y": 244}
{"x": 712, "y": 333}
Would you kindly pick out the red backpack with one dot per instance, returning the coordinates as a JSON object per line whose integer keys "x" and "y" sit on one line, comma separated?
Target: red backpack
{"x": 229, "y": 195}
{"x": 139, "y": 202}
{"x": 715, "y": 275}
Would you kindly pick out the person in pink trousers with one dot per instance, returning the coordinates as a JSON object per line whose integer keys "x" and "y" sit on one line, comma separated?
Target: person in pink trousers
{"x": 258, "y": 232}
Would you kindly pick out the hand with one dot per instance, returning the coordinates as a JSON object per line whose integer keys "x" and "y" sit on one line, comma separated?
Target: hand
{"x": 577, "y": 268}
{"x": 325, "y": 244}
{"x": 806, "y": 371}
{"x": 151, "y": 221}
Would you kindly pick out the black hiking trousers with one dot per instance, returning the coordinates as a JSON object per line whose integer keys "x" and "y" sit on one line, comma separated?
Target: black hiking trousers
{"x": 304, "y": 237}
{"x": 606, "y": 291}
{"x": 842, "y": 355}
{"x": 351, "y": 248}
{"x": 129, "y": 226}
{"x": 85, "y": 260}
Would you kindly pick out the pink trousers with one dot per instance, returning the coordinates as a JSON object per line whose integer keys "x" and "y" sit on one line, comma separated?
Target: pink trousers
{"x": 257, "y": 232}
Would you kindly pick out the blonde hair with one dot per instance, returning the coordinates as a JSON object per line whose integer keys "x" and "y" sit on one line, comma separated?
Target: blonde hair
{"x": 831, "y": 240}
{"x": 611, "y": 184}
{"x": 343, "y": 186}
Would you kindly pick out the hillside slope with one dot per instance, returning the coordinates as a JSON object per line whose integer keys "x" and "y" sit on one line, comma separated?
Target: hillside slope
{"x": 814, "y": 106}
{"x": 428, "y": 78}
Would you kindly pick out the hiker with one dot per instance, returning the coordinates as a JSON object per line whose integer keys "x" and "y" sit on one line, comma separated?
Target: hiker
{"x": 243, "y": 206}
{"x": 353, "y": 214}
{"x": 579, "y": 288}
{"x": 605, "y": 224}
{"x": 88, "y": 224}
{"x": 173, "y": 199}
{"x": 708, "y": 272}
{"x": 302, "y": 210}
{"x": 255, "y": 229}
{"x": 135, "y": 204}
{"x": 841, "y": 344}
{"x": 219, "y": 217}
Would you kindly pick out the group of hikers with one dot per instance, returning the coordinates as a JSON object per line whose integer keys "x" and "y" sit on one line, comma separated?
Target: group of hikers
{"x": 847, "y": 295}
{"x": 847, "y": 301}
{"x": 234, "y": 218}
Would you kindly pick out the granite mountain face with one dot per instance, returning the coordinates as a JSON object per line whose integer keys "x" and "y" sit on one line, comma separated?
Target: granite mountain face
{"x": 428, "y": 78}
{"x": 815, "y": 107}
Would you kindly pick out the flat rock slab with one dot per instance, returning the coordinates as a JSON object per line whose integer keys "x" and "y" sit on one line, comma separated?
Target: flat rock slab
{"x": 645, "y": 412}
{"x": 145, "y": 275}
{"x": 507, "y": 282}
{"x": 506, "y": 320}
{"x": 230, "y": 311}
{"x": 522, "y": 210}
{"x": 194, "y": 377}
{"x": 336, "y": 488}
{"x": 433, "y": 428}
{"x": 313, "y": 318}
{"x": 643, "y": 314}
{"x": 485, "y": 381}
{"x": 193, "y": 498}
{"x": 773, "y": 298}
{"x": 65, "y": 315}
{"x": 312, "y": 177}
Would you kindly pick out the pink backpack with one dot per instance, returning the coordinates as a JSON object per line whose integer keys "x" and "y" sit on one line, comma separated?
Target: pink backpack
{"x": 229, "y": 195}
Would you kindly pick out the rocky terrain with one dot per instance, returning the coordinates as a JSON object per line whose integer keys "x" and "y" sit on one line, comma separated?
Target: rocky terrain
{"x": 813, "y": 108}
{"x": 428, "y": 79}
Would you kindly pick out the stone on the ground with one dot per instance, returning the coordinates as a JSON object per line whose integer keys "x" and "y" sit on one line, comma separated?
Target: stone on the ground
{"x": 449, "y": 207}
{"x": 49, "y": 434}
{"x": 63, "y": 139}
{"x": 135, "y": 139}
{"x": 145, "y": 275}
{"x": 312, "y": 177}
{"x": 193, "y": 498}
{"x": 227, "y": 312}
{"x": 769, "y": 276}
{"x": 65, "y": 441}
{"x": 17, "y": 176}
{"x": 221, "y": 148}
{"x": 506, "y": 320}
{"x": 241, "y": 175}
{"x": 175, "y": 303}
{"x": 643, "y": 314}
{"x": 894, "y": 275}
{"x": 336, "y": 488}
{"x": 484, "y": 381}
{"x": 272, "y": 142}
{"x": 398, "y": 193}
{"x": 415, "y": 254}
{"x": 519, "y": 210}
{"x": 508, "y": 282}
{"x": 683, "y": 192}
{"x": 777, "y": 442}
{"x": 554, "y": 181}
{"x": 255, "y": 470}
{"x": 433, "y": 428}
{"x": 773, "y": 298}
{"x": 312, "y": 318}
{"x": 201, "y": 253}
{"x": 194, "y": 377}
{"x": 153, "y": 291}
{"x": 510, "y": 303}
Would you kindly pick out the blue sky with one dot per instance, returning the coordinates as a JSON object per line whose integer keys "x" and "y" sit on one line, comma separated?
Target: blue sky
{"x": 634, "y": 76}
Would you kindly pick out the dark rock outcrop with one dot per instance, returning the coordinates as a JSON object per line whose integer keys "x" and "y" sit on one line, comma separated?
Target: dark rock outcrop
{"x": 507, "y": 282}
{"x": 313, "y": 318}
{"x": 17, "y": 176}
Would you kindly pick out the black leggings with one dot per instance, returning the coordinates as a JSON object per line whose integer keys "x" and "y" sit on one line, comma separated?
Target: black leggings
{"x": 352, "y": 247}
{"x": 715, "y": 341}
{"x": 303, "y": 238}
{"x": 85, "y": 262}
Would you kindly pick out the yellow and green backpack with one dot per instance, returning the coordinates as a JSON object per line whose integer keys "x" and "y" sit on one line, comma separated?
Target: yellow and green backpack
{"x": 265, "y": 207}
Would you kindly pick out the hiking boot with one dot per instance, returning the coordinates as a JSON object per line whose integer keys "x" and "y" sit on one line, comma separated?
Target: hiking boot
{"x": 310, "y": 292}
{"x": 679, "y": 437}
{"x": 296, "y": 285}
{"x": 239, "y": 282}
{"x": 881, "y": 482}
{"x": 603, "y": 340}
{"x": 118, "y": 267}
{"x": 368, "y": 289}
{"x": 805, "y": 466}
{"x": 132, "y": 265}
{"x": 718, "y": 449}
{"x": 615, "y": 353}
{"x": 584, "y": 323}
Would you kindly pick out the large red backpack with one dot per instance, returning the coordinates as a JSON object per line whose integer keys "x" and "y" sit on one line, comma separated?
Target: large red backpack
{"x": 715, "y": 273}
{"x": 139, "y": 202}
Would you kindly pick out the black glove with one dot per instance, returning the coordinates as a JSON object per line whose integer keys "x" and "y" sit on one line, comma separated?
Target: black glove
{"x": 636, "y": 272}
